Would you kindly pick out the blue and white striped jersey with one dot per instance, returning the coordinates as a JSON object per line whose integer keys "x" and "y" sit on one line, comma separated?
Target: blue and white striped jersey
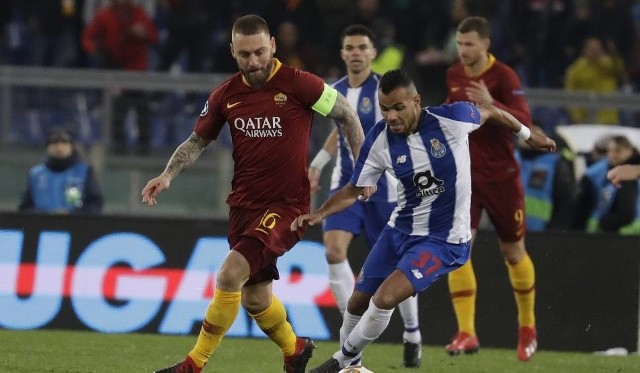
{"x": 433, "y": 168}
{"x": 364, "y": 100}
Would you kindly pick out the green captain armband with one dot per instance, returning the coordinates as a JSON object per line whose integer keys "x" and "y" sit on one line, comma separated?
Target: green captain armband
{"x": 326, "y": 101}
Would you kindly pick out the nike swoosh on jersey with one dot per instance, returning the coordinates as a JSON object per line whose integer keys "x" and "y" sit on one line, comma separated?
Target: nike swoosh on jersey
{"x": 230, "y": 105}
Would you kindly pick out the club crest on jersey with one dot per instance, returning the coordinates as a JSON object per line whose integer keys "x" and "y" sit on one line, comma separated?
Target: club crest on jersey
{"x": 365, "y": 105}
{"x": 205, "y": 109}
{"x": 280, "y": 99}
{"x": 437, "y": 149}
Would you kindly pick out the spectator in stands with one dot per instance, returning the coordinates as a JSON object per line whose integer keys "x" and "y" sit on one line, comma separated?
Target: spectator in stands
{"x": 614, "y": 23}
{"x": 291, "y": 51}
{"x": 538, "y": 27}
{"x": 391, "y": 53}
{"x": 63, "y": 183}
{"x": 595, "y": 71}
{"x": 53, "y": 28}
{"x": 579, "y": 27}
{"x": 118, "y": 37}
{"x": 447, "y": 53}
{"x": 601, "y": 206}
{"x": 189, "y": 30}
{"x": 599, "y": 150}
{"x": 303, "y": 13}
{"x": 549, "y": 185}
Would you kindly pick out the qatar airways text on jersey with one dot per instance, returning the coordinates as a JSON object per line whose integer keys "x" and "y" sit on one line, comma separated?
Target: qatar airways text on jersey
{"x": 259, "y": 126}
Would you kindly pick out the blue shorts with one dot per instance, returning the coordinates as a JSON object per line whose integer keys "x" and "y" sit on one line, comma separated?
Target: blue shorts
{"x": 422, "y": 259}
{"x": 371, "y": 217}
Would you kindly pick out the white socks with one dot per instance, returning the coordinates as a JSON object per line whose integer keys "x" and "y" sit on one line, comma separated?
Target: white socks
{"x": 349, "y": 322}
{"x": 367, "y": 330}
{"x": 342, "y": 282}
{"x": 409, "y": 312}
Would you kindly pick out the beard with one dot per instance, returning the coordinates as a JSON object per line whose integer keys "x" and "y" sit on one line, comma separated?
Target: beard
{"x": 257, "y": 78}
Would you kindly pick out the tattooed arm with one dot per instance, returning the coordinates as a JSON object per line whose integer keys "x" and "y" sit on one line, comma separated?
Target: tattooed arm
{"x": 349, "y": 122}
{"x": 185, "y": 154}
{"x": 183, "y": 157}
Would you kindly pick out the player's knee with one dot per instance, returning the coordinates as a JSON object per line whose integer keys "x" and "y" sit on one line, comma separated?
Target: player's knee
{"x": 385, "y": 300}
{"x": 335, "y": 254}
{"x": 513, "y": 252}
{"x": 230, "y": 278}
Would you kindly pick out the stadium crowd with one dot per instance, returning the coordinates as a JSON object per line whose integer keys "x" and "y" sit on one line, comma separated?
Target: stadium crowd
{"x": 558, "y": 44}
{"x": 539, "y": 38}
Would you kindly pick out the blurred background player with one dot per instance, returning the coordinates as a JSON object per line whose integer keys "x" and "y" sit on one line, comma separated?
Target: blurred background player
{"x": 63, "y": 183}
{"x": 360, "y": 87}
{"x": 496, "y": 184}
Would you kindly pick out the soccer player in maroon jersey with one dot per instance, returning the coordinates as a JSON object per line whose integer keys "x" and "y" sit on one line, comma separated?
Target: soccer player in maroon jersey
{"x": 496, "y": 184}
{"x": 269, "y": 108}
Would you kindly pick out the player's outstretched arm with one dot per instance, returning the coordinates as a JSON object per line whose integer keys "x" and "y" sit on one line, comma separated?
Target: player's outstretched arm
{"x": 622, "y": 173}
{"x": 535, "y": 140}
{"x": 349, "y": 122}
{"x": 329, "y": 149}
{"x": 185, "y": 154}
{"x": 342, "y": 199}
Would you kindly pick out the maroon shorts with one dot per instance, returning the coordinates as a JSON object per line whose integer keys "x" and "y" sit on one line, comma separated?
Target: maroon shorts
{"x": 504, "y": 202}
{"x": 269, "y": 225}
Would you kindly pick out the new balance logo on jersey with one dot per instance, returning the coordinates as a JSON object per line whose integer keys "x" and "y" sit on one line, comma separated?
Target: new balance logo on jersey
{"x": 428, "y": 185}
{"x": 259, "y": 127}
{"x": 401, "y": 159}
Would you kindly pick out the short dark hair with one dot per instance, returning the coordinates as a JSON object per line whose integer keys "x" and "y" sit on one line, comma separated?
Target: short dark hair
{"x": 478, "y": 24}
{"x": 358, "y": 29}
{"x": 59, "y": 135}
{"x": 622, "y": 141}
{"x": 250, "y": 24}
{"x": 394, "y": 79}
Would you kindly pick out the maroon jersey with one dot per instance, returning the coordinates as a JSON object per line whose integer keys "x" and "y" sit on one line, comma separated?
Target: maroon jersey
{"x": 270, "y": 130}
{"x": 491, "y": 146}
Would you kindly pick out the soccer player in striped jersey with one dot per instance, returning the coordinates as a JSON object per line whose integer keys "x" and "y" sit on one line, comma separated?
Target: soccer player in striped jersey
{"x": 496, "y": 184}
{"x": 360, "y": 87}
{"x": 269, "y": 108}
{"x": 429, "y": 232}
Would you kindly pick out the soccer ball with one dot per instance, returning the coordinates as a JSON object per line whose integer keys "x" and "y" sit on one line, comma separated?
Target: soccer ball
{"x": 355, "y": 369}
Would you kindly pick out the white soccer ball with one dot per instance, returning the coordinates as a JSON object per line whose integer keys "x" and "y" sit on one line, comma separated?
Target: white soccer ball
{"x": 355, "y": 369}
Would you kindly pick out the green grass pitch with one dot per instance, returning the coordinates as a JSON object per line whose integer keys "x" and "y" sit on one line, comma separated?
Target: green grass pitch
{"x": 84, "y": 352}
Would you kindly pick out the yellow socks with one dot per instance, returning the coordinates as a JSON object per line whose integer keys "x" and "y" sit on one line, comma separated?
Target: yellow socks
{"x": 523, "y": 280}
{"x": 462, "y": 287}
{"x": 221, "y": 314}
{"x": 273, "y": 321}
